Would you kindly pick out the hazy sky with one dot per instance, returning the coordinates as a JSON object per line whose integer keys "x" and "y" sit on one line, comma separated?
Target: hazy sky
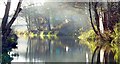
{"x": 14, "y": 5}
{"x": 26, "y": 3}
{"x": 12, "y": 10}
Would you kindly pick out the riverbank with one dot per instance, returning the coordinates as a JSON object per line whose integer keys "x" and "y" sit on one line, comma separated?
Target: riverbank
{"x": 93, "y": 41}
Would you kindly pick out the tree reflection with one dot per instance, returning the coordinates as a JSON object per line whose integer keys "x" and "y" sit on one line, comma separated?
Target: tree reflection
{"x": 60, "y": 49}
{"x": 104, "y": 53}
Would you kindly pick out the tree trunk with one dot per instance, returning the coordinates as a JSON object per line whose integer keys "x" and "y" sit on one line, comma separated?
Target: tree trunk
{"x": 6, "y": 27}
{"x": 5, "y": 18}
{"x": 92, "y": 19}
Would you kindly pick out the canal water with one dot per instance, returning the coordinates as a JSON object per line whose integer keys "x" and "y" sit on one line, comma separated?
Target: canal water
{"x": 59, "y": 49}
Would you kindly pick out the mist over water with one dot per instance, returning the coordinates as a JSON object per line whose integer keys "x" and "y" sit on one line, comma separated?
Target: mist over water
{"x": 77, "y": 14}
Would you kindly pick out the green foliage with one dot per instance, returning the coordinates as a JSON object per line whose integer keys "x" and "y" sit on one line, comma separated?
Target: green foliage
{"x": 116, "y": 50}
{"x": 91, "y": 40}
{"x": 6, "y": 58}
{"x": 90, "y": 35}
{"x": 88, "y": 38}
{"x": 11, "y": 40}
{"x": 117, "y": 35}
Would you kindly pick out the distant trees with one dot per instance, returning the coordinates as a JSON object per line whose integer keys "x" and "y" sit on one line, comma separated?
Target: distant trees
{"x": 35, "y": 19}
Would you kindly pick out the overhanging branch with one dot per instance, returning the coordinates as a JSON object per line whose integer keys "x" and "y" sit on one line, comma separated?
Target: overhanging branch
{"x": 91, "y": 19}
{"x": 5, "y": 18}
{"x": 18, "y": 9}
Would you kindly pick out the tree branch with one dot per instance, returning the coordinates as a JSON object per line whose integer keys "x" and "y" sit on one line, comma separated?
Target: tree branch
{"x": 18, "y": 9}
{"x": 96, "y": 16}
{"x": 91, "y": 19}
{"x": 5, "y": 18}
{"x": 97, "y": 19}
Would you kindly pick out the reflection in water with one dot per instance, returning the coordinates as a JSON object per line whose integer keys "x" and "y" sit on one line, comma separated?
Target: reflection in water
{"x": 22, "y": 45}
{"x": 104, "y": 53}
{"x": 62, "y": 49}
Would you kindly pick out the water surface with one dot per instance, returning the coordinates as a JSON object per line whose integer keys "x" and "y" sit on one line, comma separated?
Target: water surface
{"x": 61, "y": 49}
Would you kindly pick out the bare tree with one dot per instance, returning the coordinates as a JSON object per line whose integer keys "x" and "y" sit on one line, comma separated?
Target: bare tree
{"x": 6, "y": 25}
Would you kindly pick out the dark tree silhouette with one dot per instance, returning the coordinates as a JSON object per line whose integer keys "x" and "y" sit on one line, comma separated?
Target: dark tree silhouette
{"x": 9, "y": 40}
{"x": 109, "y": 19}
{"x": 92, "y": 19}
{"x": 7, "y": 24}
